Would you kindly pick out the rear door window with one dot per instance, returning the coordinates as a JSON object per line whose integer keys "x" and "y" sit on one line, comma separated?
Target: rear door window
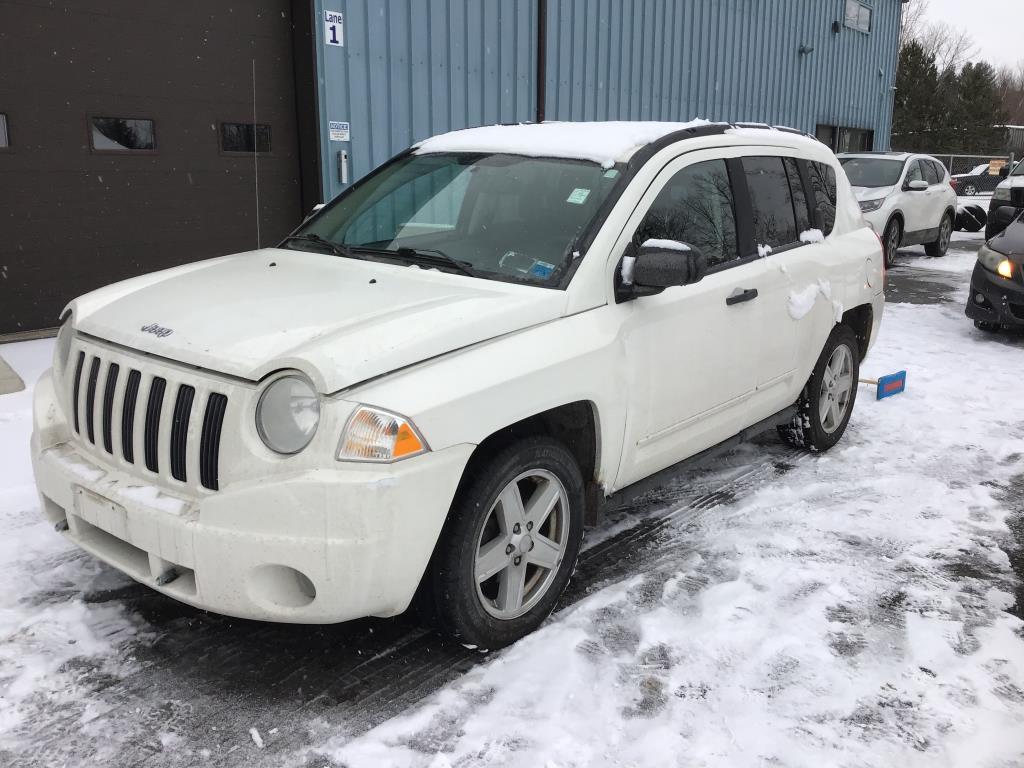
{"x": 772, "y": 203}
{"x": 696, "y": 207}
{"x": 940, "y": 170}
{"x": 930, "y": 174}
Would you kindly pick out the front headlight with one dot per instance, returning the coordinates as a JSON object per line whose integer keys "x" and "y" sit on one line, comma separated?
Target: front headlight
{"x": 62, "y": 349}
{"x": 867, "y": 206}
{"x": 1001, "y": 193}
{"x": 996, "y": 262}
{"x": 373, "y": 434}
{"x": 287, "y": 414}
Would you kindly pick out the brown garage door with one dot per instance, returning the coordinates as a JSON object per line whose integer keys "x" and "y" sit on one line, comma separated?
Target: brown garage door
{"x": 131, "y": 143}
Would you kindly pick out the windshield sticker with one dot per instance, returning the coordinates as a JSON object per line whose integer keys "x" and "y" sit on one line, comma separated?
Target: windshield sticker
{"x": 579, "y": 196}
{"x": 611, "y": 173}
{"x": 542, "y": 269}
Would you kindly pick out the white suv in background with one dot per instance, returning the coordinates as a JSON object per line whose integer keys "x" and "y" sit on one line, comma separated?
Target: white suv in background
{"x": 432, "y": 384}
{"x": 907, "y": 199}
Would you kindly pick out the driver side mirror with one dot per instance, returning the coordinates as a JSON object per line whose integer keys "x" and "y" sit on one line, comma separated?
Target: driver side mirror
{"x": 917, "y": 185}
{"x": 661, "y": 264}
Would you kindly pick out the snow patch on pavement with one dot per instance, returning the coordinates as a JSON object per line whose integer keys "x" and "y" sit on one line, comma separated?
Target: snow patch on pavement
{"x": 849, "y": 613}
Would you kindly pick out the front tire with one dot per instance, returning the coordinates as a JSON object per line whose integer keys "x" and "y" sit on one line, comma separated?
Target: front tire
{"x": 891, "y": 240}
{"x": 509, "y": 546}
{"x": 941, "y": 245}
{"x": 826, "y": 404}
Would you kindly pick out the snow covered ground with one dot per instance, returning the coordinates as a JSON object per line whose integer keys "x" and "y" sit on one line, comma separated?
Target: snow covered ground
{"x": 849, "y": 609}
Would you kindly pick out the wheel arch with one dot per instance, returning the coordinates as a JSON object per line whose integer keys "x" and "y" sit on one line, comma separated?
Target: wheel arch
{"x": 576, "y": 425}
{"x": 860, "y": 319}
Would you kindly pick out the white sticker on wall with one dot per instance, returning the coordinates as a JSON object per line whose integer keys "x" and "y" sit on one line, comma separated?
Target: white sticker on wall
{"x": 579, "y": 196}
{"x": 334, "y": 28}
{"x": 338, "y": 131}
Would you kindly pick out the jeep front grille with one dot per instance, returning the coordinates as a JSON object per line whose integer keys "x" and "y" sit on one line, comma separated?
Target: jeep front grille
{"x": 138, "y": 399}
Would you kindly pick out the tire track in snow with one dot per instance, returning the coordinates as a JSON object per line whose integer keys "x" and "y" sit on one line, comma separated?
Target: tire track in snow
{"x": 206, "y": 672}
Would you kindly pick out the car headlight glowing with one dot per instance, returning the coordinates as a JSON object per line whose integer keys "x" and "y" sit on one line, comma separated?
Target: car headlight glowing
{"x": 996, "y": 262}
{"x": 287, "y": 414}
{"x": 373, "y": 434}
{"x": 1001, "y": 193}
{"x": 62, "y": 349}
{"x": 867, "y": 206}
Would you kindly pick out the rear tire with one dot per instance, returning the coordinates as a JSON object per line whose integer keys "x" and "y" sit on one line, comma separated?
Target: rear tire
{"x": 509, "y": 546}
{"x": 970, "y": 190}
{"x": 941, "y": 245}
{"x": 826, "y": 404}
{"x": 891, "y": 241}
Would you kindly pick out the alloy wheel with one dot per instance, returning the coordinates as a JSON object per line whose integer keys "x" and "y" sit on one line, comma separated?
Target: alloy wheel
{"x": 836, "y": 387}
{"x": 945, "y": 234}
{"x": 522, "y": 543}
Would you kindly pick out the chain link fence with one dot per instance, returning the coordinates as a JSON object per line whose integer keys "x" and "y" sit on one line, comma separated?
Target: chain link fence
{"x": 974, "y": 175}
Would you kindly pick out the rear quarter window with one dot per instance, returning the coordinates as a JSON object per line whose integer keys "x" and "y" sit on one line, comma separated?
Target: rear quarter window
{"x": 823, "y": 182}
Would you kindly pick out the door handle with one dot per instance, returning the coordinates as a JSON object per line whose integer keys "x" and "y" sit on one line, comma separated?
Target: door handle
{"x": 740, "y": 295}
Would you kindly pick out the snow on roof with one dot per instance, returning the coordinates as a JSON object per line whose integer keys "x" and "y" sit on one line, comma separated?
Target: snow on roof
{"x": 603, "y": 143}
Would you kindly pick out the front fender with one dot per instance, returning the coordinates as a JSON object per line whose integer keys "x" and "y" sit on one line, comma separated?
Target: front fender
{"x": 468, "y": 395}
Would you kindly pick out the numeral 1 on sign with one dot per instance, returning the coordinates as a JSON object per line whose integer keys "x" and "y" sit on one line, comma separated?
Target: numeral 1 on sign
{"x": 334, "y": 33}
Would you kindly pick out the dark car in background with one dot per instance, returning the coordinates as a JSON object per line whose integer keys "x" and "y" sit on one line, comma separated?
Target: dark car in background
{"x": 1009, "y": 194}
{"x": 978, "y": 180}
{"x": 996, "y": 300}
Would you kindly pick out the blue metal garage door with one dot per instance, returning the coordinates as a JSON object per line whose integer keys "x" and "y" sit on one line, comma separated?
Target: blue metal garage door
{"x": 414, "y": 68}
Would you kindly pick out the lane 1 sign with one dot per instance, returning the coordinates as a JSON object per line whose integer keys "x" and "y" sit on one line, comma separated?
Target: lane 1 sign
{"x": 334, "y": 28}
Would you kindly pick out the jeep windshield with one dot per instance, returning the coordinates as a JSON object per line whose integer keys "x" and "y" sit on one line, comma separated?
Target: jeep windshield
{"x": 496, "y": 216}
{"x": 872, "y": 171}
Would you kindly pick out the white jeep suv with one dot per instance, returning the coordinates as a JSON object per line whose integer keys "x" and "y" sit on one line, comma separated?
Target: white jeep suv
{"x": 907, "y": 199}
{"x": 432, "y": 384}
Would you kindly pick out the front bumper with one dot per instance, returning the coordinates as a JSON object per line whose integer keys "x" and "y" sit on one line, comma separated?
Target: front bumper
{"x": 1001, "y": 300}
{"x": 319, "y": 546}
{"x": 877, "y": 219}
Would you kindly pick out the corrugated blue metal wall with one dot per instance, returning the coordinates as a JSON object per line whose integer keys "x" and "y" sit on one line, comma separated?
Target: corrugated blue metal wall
{"x": 413, "y": 68}
{"x": 409, "y": 69}
{"x": 735, "y": 60}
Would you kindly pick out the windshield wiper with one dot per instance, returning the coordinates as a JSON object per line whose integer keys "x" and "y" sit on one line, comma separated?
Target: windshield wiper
{"x": 435, "y": 258}
{"x": 337, "y": 248}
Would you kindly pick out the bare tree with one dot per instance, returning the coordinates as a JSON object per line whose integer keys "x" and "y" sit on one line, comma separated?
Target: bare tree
{"x": 913, "y": 21}
{"x": 1010, "y": 84}
{"x": 952, "y": 48}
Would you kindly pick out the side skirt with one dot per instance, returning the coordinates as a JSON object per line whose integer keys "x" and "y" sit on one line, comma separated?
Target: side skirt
{"x": 597, "y": 503}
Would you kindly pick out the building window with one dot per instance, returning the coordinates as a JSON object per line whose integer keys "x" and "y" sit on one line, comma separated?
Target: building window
{"x": 244, "y": 137}
{"x": 856, "y": 140}
{"x": 858, "y": 16}
{"x": 826, "y": 135}
{"x": 5, "y": 138}
{"x": 122, "y": 134}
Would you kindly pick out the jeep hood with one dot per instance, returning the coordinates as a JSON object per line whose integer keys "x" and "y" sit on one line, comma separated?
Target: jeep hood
{"x": 341, "y": 321}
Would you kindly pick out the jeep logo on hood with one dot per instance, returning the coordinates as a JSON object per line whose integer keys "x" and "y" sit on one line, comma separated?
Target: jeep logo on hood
{"x": 157, "y": 330}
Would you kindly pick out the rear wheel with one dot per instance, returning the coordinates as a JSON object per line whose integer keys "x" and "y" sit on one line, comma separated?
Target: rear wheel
{"x": 970, "y": 190}
{"x": 891, "y": 241}
{"x": 941, "y": 244}
{"x": 827, "y": 401}
{"x": 509, "y": 546}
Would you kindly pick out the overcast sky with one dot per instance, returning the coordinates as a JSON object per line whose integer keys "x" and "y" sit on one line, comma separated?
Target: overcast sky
{"x": 995, "y": 25}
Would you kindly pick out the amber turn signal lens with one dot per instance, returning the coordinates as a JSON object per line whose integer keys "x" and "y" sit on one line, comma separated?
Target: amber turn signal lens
{"x": 373, "y": 434}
